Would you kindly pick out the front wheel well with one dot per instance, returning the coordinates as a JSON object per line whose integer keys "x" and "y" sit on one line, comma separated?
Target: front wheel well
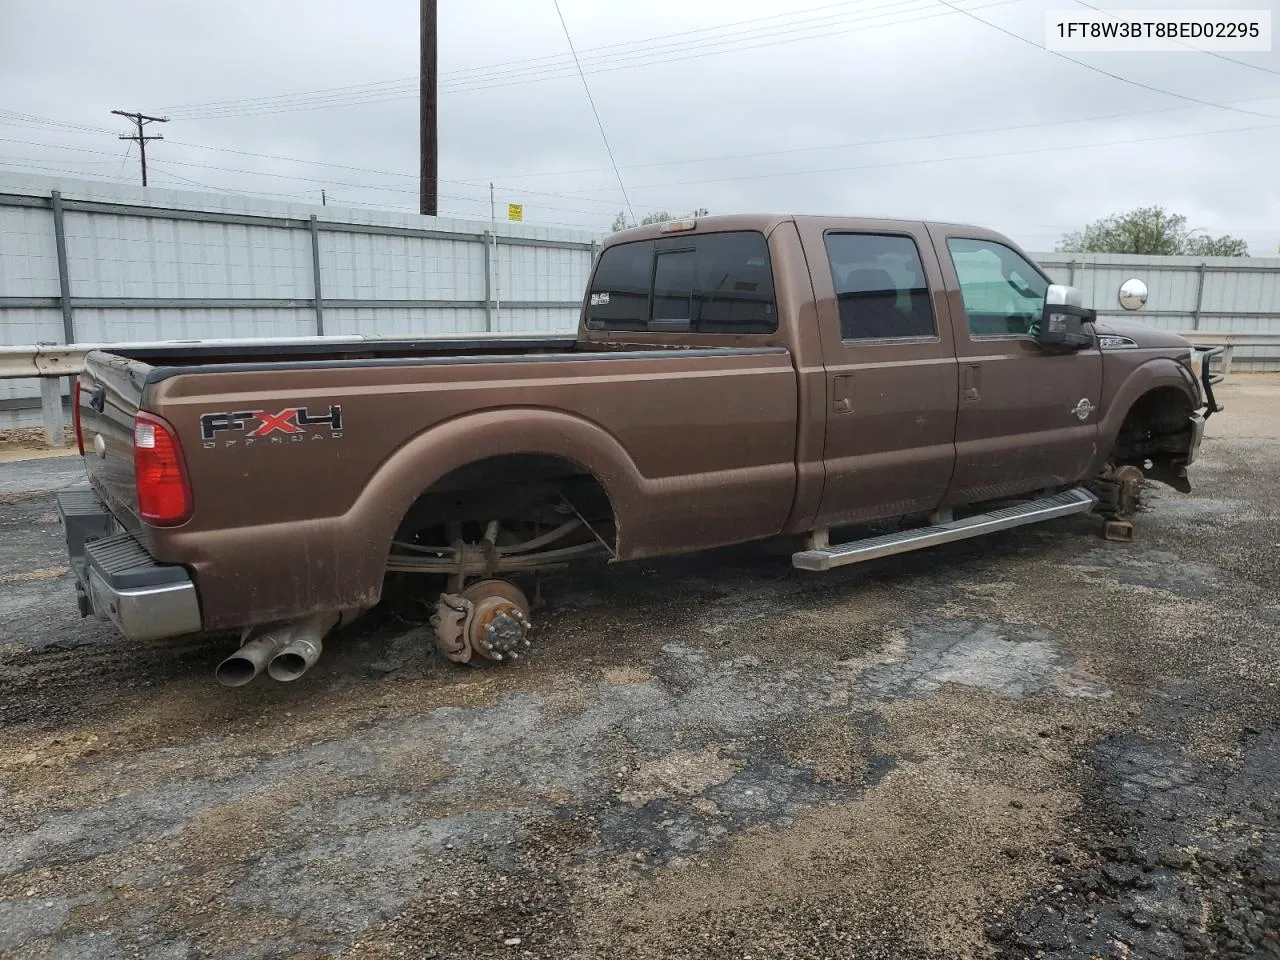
{"x": 1157, "y": 427}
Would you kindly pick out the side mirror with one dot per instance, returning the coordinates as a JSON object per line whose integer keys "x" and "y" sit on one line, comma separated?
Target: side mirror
{"x": 1063, "y": 320}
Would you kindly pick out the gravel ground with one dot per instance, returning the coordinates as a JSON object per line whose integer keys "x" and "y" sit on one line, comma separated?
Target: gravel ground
{"x": 1038, "y": 744}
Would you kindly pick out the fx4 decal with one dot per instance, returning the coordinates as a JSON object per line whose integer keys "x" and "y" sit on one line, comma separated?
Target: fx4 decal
{"x": 293, "y": 425}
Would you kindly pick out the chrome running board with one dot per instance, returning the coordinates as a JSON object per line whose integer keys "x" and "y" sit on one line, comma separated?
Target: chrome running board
{"x": 1063, "y": 504}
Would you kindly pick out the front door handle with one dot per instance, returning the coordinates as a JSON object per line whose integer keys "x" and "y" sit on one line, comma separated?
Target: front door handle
{"x": 842, "y": 394}
{"x": 972, "y": 380}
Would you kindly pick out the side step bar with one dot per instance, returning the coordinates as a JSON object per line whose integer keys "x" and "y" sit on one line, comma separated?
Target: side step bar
{"x": 1063, "y": 504}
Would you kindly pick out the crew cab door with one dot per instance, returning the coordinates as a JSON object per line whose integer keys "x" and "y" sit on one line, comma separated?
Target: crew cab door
{"x": 1028, "y": 414}
{"x": 890, "y": 370}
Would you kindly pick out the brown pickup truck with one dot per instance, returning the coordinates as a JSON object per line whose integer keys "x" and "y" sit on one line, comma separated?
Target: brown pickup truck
{"x": 732, "y": 379}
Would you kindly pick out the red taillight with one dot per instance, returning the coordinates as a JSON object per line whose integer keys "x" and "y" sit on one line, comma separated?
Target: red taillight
{"x": 75, "y": 414}
{"x": 160, "y": 473}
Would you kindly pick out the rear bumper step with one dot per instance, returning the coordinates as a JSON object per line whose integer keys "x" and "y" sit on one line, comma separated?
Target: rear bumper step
{"x": 118, "y": 580}
{"x": 1063, "y": 504}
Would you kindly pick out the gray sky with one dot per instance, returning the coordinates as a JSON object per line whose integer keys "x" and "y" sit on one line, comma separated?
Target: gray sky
{"x": 878, "y": 107}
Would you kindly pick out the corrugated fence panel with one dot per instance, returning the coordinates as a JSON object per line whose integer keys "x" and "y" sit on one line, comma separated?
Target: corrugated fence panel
{"x": 543, "y": 273}
{"x": 537, "y": 320}
{"x": 203, "y": 323}
{"x": 127, "y": 256}
{"x": 28, "y": 256}
{"x": 361, "y": 266}
{"x": 404, "y": 321}
{"x": 20, "y": 326}
{"x": 136, "y": 258}
{"x": 1246, "y": 292}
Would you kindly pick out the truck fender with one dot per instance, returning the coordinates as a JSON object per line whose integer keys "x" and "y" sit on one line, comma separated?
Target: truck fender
{"x": 429, "y": 456}
{"x": 1154, "y": 374}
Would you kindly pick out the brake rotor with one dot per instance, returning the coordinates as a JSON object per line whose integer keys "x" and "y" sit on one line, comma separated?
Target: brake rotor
{"x": 498, "y": 629}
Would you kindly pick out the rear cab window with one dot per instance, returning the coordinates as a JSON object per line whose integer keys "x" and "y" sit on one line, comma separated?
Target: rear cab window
{"x": 696, "y": 283}
{"x": 880, "y": 287}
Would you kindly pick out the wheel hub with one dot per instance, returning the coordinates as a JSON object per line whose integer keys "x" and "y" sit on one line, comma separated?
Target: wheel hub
{"x": 489, "y": 619}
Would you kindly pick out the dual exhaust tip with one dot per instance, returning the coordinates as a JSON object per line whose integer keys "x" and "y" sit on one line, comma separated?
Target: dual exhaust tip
{"x": 286, "y": 651}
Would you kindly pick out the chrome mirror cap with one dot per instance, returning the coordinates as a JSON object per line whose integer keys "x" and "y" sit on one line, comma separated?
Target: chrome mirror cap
{"x": 1061, "y": 295}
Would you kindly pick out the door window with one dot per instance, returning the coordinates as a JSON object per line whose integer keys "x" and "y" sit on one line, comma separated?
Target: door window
{"x": 1003, "y": 293}
{"x": 704, "y": 283}
{"x": 880, "y": 287}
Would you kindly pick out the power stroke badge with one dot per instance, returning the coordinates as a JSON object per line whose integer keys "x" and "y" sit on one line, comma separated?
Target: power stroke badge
{"x": 247, "y": 427}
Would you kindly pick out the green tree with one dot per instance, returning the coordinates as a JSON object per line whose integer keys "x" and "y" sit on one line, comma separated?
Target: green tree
{"x": 620, "y": 222}
{"x": 1150, "y": 231}
{"x": 1223, "y": 246}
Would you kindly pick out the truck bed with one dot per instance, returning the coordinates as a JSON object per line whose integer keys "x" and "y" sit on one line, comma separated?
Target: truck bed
{"x": 306, "y": 458}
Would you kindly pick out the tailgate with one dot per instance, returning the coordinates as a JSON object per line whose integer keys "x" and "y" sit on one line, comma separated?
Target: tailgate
{"x": 110, "y": 391}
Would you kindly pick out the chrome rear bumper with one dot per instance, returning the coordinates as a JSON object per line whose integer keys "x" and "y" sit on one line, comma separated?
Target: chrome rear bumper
{"x": 118, "y": 580}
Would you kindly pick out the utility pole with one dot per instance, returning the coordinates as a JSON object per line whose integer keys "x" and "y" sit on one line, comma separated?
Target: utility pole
{"x": 140, "y": 120}
{"x": 427, "y": 106}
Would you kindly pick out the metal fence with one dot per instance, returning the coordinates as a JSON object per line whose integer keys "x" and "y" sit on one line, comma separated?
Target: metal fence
{"x": 1227, "y": 301}
{"x": 88, "y": 262}
{"x": 97, "y": 262}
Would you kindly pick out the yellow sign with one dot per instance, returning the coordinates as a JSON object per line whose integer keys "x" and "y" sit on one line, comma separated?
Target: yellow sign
{"x": 515, "y": 211}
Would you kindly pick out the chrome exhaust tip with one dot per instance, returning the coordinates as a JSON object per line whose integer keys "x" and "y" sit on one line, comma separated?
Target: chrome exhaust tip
{"x": 295, "y": 659}
{"x": 250, "y": 660}
{"x": 286, "y": 651}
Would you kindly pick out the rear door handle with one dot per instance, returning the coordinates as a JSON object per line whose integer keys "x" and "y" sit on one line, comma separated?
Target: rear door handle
{"x": 842, "y": 394}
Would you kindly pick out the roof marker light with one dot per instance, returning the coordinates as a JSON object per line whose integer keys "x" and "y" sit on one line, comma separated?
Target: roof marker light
{"x": 678, "y": 226}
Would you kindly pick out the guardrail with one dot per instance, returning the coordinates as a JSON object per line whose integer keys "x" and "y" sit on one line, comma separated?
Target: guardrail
{"x": 53, "y": 361}
{"x": 1229, "y": 341}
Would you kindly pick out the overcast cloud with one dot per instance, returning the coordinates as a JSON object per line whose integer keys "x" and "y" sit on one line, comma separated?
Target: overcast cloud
{"x": 879, "y": 107}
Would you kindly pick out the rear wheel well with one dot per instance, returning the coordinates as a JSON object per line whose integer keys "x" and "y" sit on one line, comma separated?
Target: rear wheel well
{"x": 523, "y": 493}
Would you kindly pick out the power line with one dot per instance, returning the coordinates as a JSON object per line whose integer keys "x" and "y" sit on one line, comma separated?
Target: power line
{"x": 328, "y": 181}
{"x": 124, "y": 160}
{"x": 230, "y": 192}
{"x": 1210, "y": 53}
{"x": 641, "y": 58}
{"x": 542, "y": 193}
{"x": 590, "y": 99}
{"x": 140, "y": 120}
{"x": 1106, "y": 73}
{"x": 21, "y": 119}
{"x": 42, "y": 168}
{"x": 857, "y": 143}
{"x": 973, "y": 156}
{"x": 385, "y": 173}
{"x": 524, "y": 63}
{"x": 51, "y": 160}
{"x": 579, "y": 197}
{"x": 853, "y": 143}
